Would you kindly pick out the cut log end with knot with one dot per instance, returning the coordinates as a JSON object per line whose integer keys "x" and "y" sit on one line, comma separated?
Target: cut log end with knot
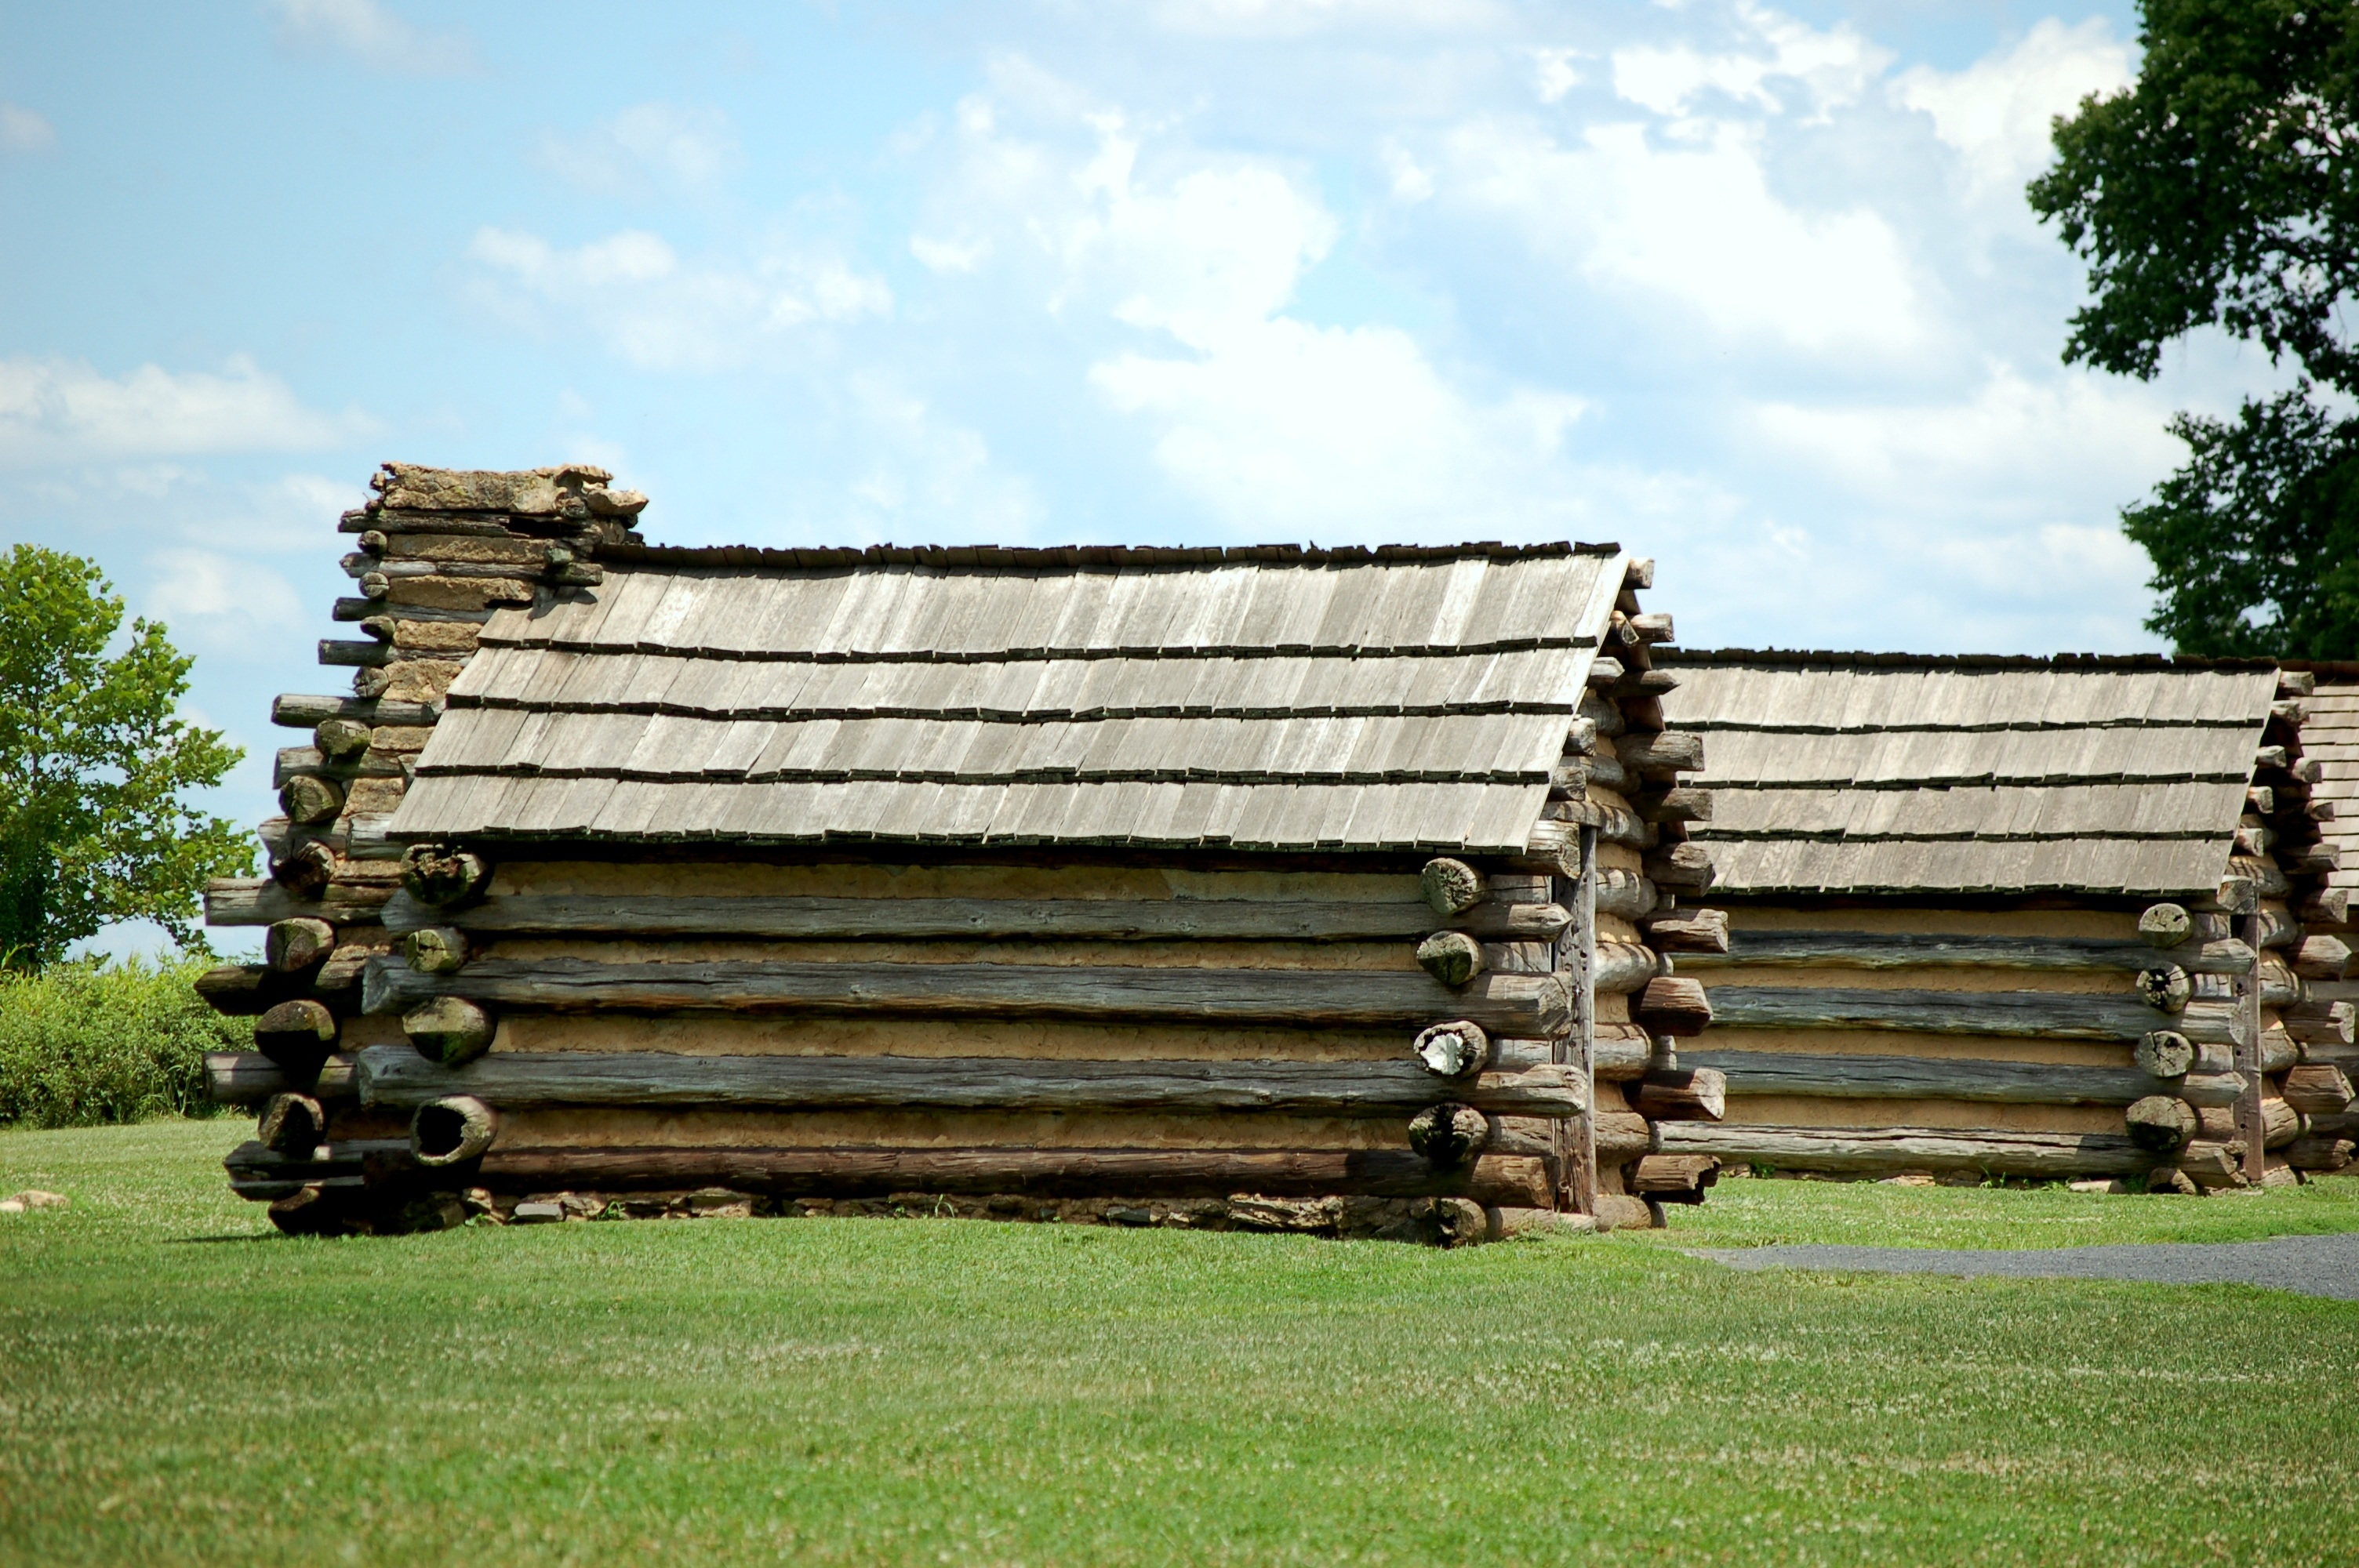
{"x": 2166, "y": 988}
{"x": 451, "y": 1131}
{"x": 294, "y": 945}
{"x": 1451, "y": 956}
{"x": 2164, "y": 1053}
{"x": 435, "y": 950}
{"x": 442, "y": 877}
{"x": 1453, "y": 1050}
{"x": 1449, "y": 1135}
{"x": 1453, "y": 887}
{"x": 306, "y": 869}
{"x": 2165, "y": 925}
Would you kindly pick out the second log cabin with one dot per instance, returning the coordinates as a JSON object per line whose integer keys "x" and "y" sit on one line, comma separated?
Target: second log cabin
{"x": 1263, "y": 886}
{"x": 1997, "y": 917}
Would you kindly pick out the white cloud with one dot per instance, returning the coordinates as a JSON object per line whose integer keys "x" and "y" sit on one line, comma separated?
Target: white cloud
{"x": 950, "y": 255}
{"x": 1698, "y": 224}
{"x": 58, "y": 411}
{"x": 23, "y": 130}
{"x": 223, "y": 606}
{"x": 660, "y": 312}
{"x": 2015, "y": 447}
{"x": 1996, "y": 113}
{"x": 646, "y": 144}
{"x": 374, "y": 36}
{"x": 929, "y": 479}
{"x": 1296, "y": 18}
{"x": 1556, "y": 72}
{"x": 1833, "y": 68}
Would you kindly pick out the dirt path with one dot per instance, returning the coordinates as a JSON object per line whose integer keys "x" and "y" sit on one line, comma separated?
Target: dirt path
{"x": 2311, "y": 1265}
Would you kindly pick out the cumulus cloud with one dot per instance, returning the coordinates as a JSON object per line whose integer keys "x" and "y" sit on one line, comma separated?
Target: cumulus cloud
{"x": 659, "y": 311}
{"x": 644, "y": 146}
{"x": 1696, "y": 223}
{"x": 375, "y": 36}
{"x": 1996, "y": 113}
{"x": 23, "y": 130}
{"x": 60, "y": 411}
{"x": 1832, "y": 68}
{"x": 924, "y": 477}
{"x": 222, "y": 606}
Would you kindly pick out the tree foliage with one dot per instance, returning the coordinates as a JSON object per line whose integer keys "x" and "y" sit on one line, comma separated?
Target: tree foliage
{"x": 2221, "y": 189}
{"x": 93, "y": 765}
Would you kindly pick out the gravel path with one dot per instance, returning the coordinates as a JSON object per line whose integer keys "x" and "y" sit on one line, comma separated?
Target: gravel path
{"x": 2309, "y": 1265}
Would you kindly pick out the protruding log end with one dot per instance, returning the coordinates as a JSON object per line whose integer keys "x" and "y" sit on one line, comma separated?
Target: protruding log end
{"x": 341, "y": 740}
{"x": 2321, "y": 1088}
{"x": 1688, "y": 931}
{"x": 2161, "y": 1121}
{"x": 448, "y": 1030}
{"x": 1453, "y": 1050}
{"x": 1451, "y": 956}
{"x": 2164, "y": 1053}
{"x": 435, "y": 950}
{"x": 291, "y": 1124}
{"x": 442, "y": 876}
{"x": 1674, "y": 1178}
{"x": 293, "y": 945}
{"x": 1449, "y": 1135}
{"x": 2321, "y": 957}
{"x": 305, "y": 870}
{"x": 451, "y": 1131}
{"x": 2170, "y": 1179}
{"x": 1453, "y": 887}
{"x": 1697, "y": 1094}
{"x": 2165, "y": 987}
{"x": 2165, "y": 925}
{"x": 1685, "y": 867}
{"x": 2319, "y": 1153}
{"x": 308, "y": 798}
{"x": 298, "y": 1035}
{"x": 1673, "y": 1005}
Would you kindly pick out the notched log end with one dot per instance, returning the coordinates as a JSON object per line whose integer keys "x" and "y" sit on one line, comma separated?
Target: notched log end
{"x": 1453, "y": 887}
{"x": 1452, "y": 1050}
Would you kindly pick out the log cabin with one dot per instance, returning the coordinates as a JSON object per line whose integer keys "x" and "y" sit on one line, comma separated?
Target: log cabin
{"x": 1270, "y": 887}
{"x": 2016, "y": 917}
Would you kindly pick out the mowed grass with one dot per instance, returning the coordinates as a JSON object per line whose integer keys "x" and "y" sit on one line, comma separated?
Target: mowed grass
{"x": 178, "y": 1385}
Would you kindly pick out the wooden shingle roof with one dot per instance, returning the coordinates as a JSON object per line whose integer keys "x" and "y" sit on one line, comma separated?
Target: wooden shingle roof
{"x": 1840, "y": 774}
{"x": 1266, "y": 699}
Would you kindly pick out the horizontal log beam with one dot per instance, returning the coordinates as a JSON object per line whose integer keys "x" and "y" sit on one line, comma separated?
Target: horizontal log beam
{"x": 958, "y": 919}
{"x": 1927, "y": 1077}
{"x": 1870, "y": 1150}
{"x": 297, "y": 710}
{"x": 1808, "y": 949}
{"x": 2040, "y": 1015}
{"x": 1513, "y": 1179}
{"x": 1502, "y": 1003}
{"x": 397, "y": 1076}
{"x": 248, "y": 1077}
{"x": 258, "y": 901}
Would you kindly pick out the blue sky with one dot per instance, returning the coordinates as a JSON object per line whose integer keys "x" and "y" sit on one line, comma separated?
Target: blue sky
{"x": 1753, "y": 291}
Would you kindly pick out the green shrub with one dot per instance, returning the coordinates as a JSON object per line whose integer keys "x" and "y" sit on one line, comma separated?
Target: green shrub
{"x": 98, "y": 1041}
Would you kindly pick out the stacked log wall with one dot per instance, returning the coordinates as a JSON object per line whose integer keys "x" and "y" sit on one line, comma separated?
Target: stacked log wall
{"x": 2192, "y": 1045}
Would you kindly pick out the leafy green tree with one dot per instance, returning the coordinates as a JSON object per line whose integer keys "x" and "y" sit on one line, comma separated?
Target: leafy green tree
{"x": 2221, "y": 189}
{"x": 93, "y": 763}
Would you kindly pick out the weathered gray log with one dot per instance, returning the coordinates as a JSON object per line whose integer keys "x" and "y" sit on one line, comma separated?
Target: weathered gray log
{"x": 2280, "y": 1123}
{"x": 1623, "y": 968}
{"x": 451, "y": 1130}
{"x": 1664, "y": 752}
{"x": 1673, "y": 1005}
{"x": 441, "y": 877}
{"x": 309, "y": 798}
{"x": 246, "y": 990}
{"x": 846, "y": 1172}
{"x": 2322, "y": 1154}
{"x": 923, "y": 919}
{"x": 2267, "y": 878}
{"x": 2051, "y": 1016}
{"x": 1622, "y": 1136}
{"x": 1448, "y": 1134}
{"x": 297, "y": 711}
{"x": 2161, "y": 1122}
{"x": 354, "y": 836}
{"x": 341, "y": 740}
{"x": 1703, "y": 931}
{"x": 1690, "y": 1093}
{"x": 448, "y": 1030}
{"x": 1451, "y": 1050}
{"x": 2165, "y": 925}
{"x": 307, "y": 762}
{"x": 2278, "y": 928}
{"x": 2209, "y": 1089}
{"x": 1838, "y": 950}
{"x": 435, "y": 950}
{"x": 249, "y": 1077}
{"x": 1837, "y": 1077}
{"x": 2164, "y": 1053}
{"x": 2316, "y": 1089}
{"x": 1686, "y": 868}
{"x": 2211, "y": 1163}
{"x": 1681, "y": 803}
{"x": 1509, "y": 1004}
{"x": 1451, "y": 956}
{"x": 305, "y": 870}
{"x": 1604, "y": 717}
{"x": 393, "y": 1075}
{"x": 259, "y": 901}
{"x": 2166, "y": 988}
{"x": 1625, "y": 894}
{"x": 1673, "y": 1178}
{"x": 1867, "y": 1150}
{"x": 291, "y": 1124}
{"x": 2321, "y": 957}
{"x": 2319, "y": 1022}
{"x": 298, "y": 1035}
{"x": 297, "y": 944}
{"x": 1453, "y": 886}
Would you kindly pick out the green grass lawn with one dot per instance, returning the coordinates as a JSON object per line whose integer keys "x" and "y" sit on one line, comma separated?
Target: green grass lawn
{"x": 178, "y": 1385}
